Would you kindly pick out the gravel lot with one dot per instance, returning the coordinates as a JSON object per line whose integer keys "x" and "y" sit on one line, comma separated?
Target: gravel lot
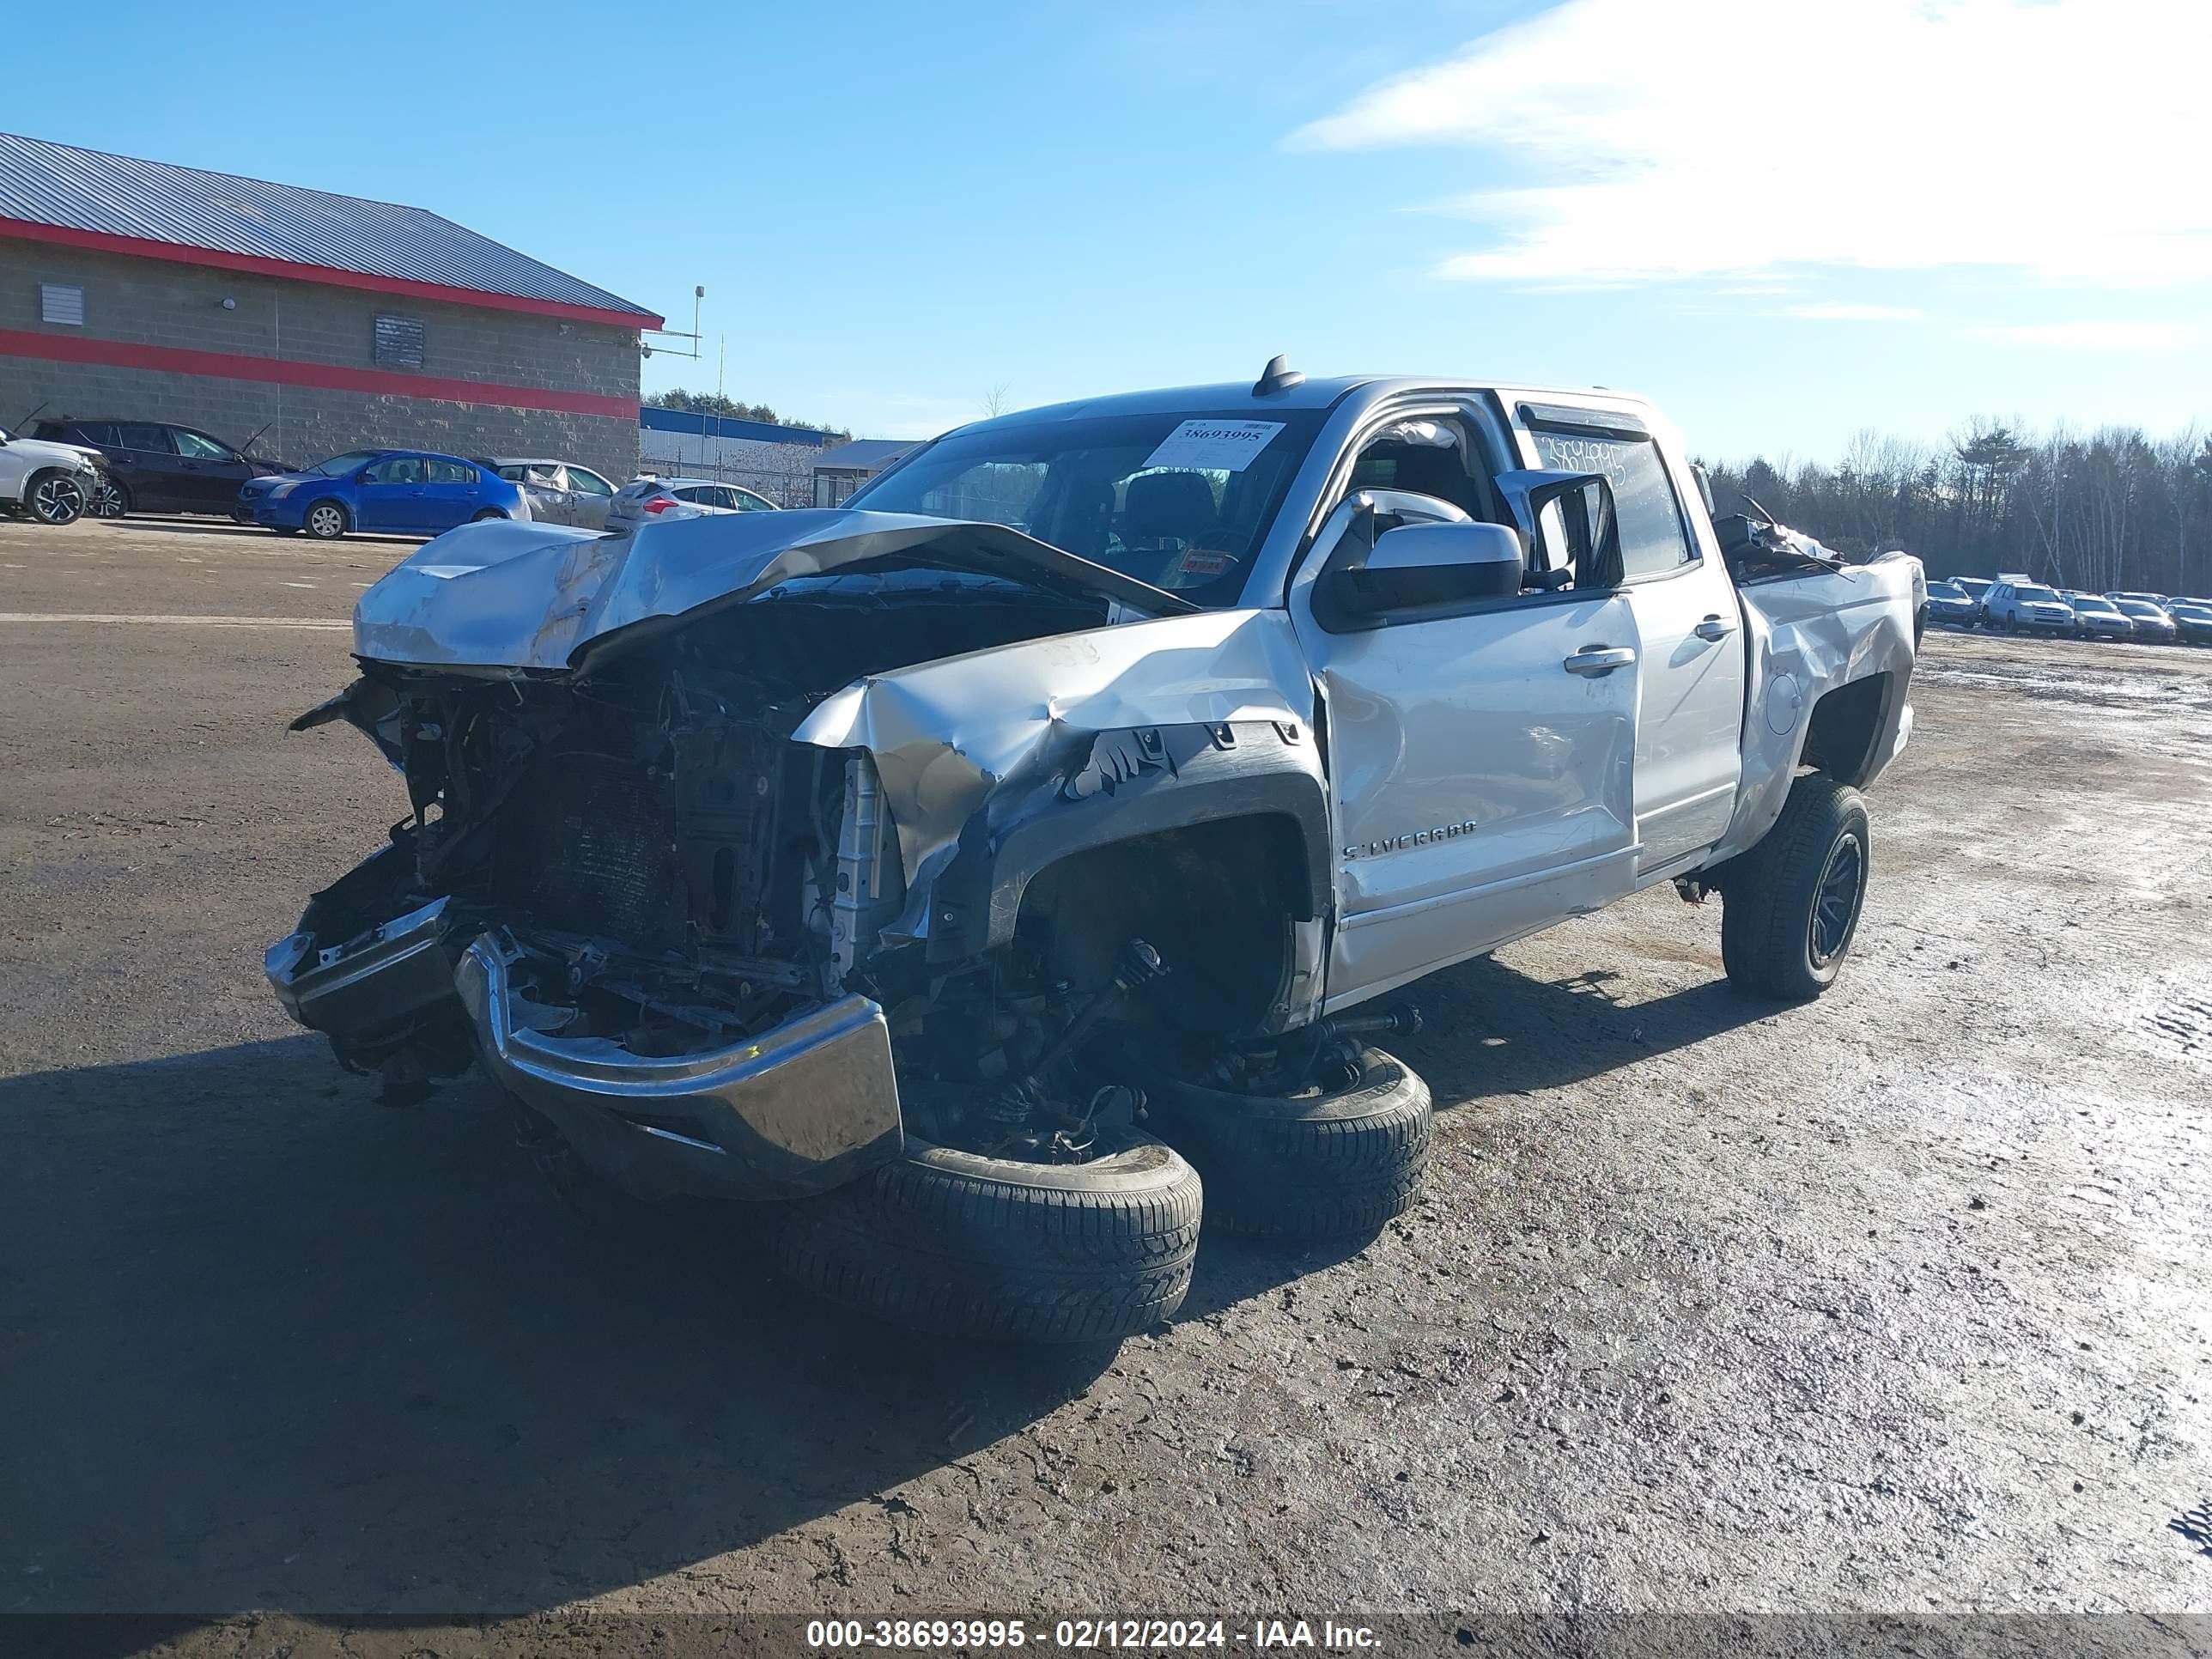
{"x": 1896, "y": 1302}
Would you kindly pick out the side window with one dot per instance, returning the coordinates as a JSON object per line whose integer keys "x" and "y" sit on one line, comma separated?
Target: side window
{"x": 395, "y": 470}
{"x": 515, "y": 474}
{"x": 1653, "y": 539}
{"x": 449, "y": 472}
{"x": 193, "y": 447}
{"x": 586, "y": 482}
{"x": 697, "y": 497}
{"x": 749, "y": 502}
{"x": 152, "y": 439}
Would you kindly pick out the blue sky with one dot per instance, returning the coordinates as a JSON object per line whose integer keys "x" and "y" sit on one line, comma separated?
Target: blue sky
{"x": 1786, "y": 222}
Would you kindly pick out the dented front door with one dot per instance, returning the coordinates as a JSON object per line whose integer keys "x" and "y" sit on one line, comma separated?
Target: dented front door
{"x": 1482, "y": 774}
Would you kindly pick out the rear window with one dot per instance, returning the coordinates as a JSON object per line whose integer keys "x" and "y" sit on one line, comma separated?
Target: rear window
{"x": 154, "y": 439}
{"x": 1653, "y": 539}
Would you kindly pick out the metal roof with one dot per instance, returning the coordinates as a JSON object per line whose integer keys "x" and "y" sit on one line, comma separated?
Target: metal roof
{"x": 653, "y": 418}
{"x": 866, "y": 454}
{"x": 88, "y": 190}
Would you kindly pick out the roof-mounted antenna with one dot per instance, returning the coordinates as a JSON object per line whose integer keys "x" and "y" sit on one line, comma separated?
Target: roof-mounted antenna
{"x": 1277, "y": 376}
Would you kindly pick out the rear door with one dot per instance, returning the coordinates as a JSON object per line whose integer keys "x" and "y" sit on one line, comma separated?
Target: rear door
{"x": 588, "y": 496}
{"x": 1690, "y": 690}
{"x": 1481, "y": 762}
{"x": 453, "y": 494}
{"x": 389, "y": 495}
{"x": 209, "y": 473}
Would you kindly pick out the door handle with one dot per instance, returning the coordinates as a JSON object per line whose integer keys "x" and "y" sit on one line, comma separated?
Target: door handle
{"x": 1594, "y": 659}
{"x": 1714, "y": 627}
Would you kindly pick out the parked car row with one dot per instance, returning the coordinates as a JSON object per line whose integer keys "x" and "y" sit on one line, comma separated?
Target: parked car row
{"x": 109, "y": 468}
{"x": 2014, "y": 604}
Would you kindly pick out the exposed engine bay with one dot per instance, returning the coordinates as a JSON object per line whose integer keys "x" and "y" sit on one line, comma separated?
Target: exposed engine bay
{"x": 666, "y": 869}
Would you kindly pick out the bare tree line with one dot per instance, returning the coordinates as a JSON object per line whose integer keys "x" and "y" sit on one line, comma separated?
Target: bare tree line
{"x": 2107, "y": 510}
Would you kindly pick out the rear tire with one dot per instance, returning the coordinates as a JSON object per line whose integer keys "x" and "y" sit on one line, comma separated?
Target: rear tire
{"x": 1330, "y": 1165}
{"x": 110, "y": 500}
{"x": 954, "y": 1243}
{"x": 488, "y": 512}
{"x": 1790, "y": 906}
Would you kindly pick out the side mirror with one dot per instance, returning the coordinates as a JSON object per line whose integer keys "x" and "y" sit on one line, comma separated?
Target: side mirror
{"x": 1581, "y": 531}
{"x": 1417, "y": 568}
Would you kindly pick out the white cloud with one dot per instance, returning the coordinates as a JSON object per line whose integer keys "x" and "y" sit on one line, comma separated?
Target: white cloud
{"x": 2098, "y": 335}
{"x": 2059, "y": 138}
{"x": 1848, "y": 312}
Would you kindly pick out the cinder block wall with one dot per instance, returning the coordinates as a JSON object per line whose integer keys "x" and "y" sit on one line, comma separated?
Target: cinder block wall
{"x": 154, "y": 302}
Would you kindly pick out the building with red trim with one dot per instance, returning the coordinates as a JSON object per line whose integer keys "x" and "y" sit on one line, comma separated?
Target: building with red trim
{"x": 136, "y": 290}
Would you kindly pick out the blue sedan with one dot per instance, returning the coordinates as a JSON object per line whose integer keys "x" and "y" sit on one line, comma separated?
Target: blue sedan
{"x": 403, "y": 492}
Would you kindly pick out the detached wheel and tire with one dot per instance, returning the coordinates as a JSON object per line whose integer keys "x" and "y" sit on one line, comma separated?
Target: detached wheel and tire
{"x": 958, "y": 1245}
{"x": 1326, "y": 1164}
{"x": 325, "y": 521}
{"x": 1790, "y": 908}
{"x": 55, "y": 498}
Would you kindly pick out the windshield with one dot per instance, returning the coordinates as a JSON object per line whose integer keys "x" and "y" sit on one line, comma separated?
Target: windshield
{"x": 1179, "y": 500}
{"x": 342, "y": 463}
{"x": 2138, "y": 608}
{"x": 2102, "y": 607}
{"x": 2033, "y": 594}
{"x": 1946, "y": 591}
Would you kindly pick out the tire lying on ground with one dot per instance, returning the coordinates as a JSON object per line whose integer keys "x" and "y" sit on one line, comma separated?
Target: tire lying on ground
{"x": 952, "y": 1242}
{"x": 1789, "y": 907}
{"x": 1323, "y": 1164}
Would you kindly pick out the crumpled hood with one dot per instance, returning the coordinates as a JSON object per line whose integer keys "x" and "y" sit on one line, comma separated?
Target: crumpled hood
{"x": 45, "y": 449}
{"x": 506, "y": 595}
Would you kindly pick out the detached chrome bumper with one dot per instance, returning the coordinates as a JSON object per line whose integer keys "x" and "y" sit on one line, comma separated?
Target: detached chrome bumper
{"x": 380, "y": 980}
{"x": 805, "y": 1108}
{"x": 800, "y": 1109}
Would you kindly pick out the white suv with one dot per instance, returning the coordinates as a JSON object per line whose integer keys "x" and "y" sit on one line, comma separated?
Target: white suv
{"x": 49, "y": 481}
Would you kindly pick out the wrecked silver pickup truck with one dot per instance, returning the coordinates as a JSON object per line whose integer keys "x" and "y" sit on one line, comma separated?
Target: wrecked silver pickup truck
{"x": 961, "y": 875}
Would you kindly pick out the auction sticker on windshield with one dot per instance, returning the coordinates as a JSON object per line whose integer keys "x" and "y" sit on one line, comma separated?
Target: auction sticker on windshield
{"x": 1213, "y": 446}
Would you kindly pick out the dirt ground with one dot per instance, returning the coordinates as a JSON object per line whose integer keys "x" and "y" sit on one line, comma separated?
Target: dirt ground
{"x": 1896, "y": 1302}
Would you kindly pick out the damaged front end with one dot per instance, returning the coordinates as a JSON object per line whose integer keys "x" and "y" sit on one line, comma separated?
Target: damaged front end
{"x": 731, "y": 892}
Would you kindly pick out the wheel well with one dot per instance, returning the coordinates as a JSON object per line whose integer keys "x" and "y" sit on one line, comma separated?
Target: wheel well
{"x": 1845, "y": 725}
{"x": 1217, "y": 899}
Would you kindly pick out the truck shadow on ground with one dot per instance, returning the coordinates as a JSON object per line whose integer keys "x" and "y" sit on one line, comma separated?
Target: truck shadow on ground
{"x": 1489, "y": 1031}
{"x": 274, "y": 1346}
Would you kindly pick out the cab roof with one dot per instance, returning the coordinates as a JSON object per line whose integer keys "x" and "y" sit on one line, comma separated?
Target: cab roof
{"x": 1236, "y": 399}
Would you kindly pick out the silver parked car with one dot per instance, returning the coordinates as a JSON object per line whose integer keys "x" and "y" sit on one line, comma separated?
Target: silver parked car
{"x": 2016, "y": 605}
{"x": 684, "y": 498}
{"x": 2096, "y": 617}
{"x": 560, "y": 492}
